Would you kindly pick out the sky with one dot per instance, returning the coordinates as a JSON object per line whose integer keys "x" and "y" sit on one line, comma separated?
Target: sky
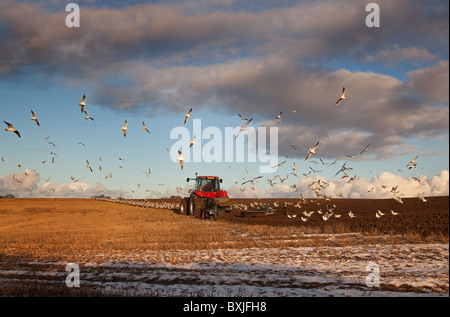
{"x": 152, "y": 61}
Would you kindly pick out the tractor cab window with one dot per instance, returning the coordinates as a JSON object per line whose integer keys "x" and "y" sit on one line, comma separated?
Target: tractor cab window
{"x": 209, "y": 185}
{"x": 198, "y": 184}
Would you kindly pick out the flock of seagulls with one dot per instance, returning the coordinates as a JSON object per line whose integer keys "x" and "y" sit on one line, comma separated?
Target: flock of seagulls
{"x": 316, "y": 186}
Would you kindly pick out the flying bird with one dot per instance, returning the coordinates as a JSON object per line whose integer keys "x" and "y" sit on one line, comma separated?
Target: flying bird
{"x": 243, "y": 128}
{"x": 88, "y": 165}
{"x": 82, "y": 103}
{"x": 242, "y": 118}
{"x": 413, "y": 161}
{"x": 342, "y": 96}
{"x": 180, "y": 159}
{"x": 312, "y": 150}
{"x": 187, "y": 116}
{"x": 33, "y": 117}
{"x": 11, "y": 128}
{"x": 88, "y": 117}
{"x": 278, "y": 117}
{"x": 365, "y": 149}
{"x": 144, "y": 128}
{"x": 422, "y": 198}
{"x": 124, "y": 128}
{"x": 192, "y": 142}
{"x": 279, "y": 165}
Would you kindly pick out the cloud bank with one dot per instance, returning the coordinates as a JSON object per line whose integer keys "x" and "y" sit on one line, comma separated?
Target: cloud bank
{"x": 260, "y": 59}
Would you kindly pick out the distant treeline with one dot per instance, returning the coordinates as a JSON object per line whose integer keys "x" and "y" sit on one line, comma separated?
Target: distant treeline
{"x": 8, "y": 196}
{"x": 100, "y": 197}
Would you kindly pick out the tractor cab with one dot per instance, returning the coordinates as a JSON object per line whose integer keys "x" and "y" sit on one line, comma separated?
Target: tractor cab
{"x": 207, "y": 186}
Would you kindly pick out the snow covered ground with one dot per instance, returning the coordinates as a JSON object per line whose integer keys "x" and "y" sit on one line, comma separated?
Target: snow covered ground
{"x": 367, "y": 270}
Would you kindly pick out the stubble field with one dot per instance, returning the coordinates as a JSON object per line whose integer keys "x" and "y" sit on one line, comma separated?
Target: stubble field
{"x": 122, "y": 249}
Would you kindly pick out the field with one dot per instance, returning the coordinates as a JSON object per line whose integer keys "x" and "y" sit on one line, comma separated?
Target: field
{"x": 146, "y": 248}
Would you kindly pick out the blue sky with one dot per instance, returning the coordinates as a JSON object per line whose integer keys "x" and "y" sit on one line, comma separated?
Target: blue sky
{"x": 152, "y": 61}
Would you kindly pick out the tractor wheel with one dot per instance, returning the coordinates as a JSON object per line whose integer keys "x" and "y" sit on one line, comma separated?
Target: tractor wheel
{"x": 183, "y": 207}
{"x": 190, "y": 210}
{"x": 198, "y": 205}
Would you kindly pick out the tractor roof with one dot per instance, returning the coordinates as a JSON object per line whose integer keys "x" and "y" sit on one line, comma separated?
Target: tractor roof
{"x": 208, "y": 177}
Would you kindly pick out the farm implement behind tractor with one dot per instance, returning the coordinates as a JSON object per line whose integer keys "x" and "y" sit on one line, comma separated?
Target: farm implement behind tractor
{"x": 206, "y": 199}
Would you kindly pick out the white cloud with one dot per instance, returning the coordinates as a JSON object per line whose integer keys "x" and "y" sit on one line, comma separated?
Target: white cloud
{"x": 26, "y": 185}
{"x": 23, "y": 186}
{"x": 359, "y": 188}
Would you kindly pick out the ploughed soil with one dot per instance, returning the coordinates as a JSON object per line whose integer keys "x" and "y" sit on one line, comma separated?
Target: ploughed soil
{"x": 413, "y": 215}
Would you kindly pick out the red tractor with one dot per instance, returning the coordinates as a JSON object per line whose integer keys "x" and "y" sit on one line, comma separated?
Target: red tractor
{"x": 206, "y": 199}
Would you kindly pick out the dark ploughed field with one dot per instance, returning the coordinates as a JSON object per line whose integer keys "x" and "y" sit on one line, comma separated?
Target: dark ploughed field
{"x": 413, "y": 214}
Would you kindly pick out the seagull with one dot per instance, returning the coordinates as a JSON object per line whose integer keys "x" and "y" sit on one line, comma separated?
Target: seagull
{"x": 294, "y": 167}
{"x": 313, "y": 150}
{"x": 398, "y": 199}
{"x": 33, "y": 117}
{"x": 342, "y": 96}
{"x": 278, "y": 117}
{"x": 422, "y": 198}
{"x": 394, "y": 213}
{"x": 243, "y": 128}
{"x": 180, "y": 159}
{"x": 413, "y": 161}
{"x": 11, "y": 128}
{"x": 350, "y": 214}
{"x": 279, "y": 165}
{"x": 242, "y": 118}
{"x": 380, "y": 213}
{"x": 187, "y": 116}
{"x": 326, "y": 216}
{"x": 87, "y": 116}
{"x": 192, "y": 142}
{"x": 144, "y": 128}
{"x": 365, "y": 149}
{"x": 343, "y": 169}
{"x": 82, "y": 103}
{"x": 88, "y": 165}
{"x": 124, "y": 128}
{"x": 416, "y": 179}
